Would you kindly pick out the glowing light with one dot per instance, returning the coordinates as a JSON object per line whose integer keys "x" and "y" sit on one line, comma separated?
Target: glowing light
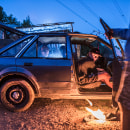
{"x": 100, "y": 121}
{"x": 90, "y": 103}
{"x": 98, "y": 114}
{"x": 97, "y": 122}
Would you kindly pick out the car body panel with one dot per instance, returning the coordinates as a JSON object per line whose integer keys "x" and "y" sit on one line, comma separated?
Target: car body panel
{"x": 47, "y": 72}
{"x": 7, "y": 65}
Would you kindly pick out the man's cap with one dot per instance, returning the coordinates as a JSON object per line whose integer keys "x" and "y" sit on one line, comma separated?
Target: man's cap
{"x": 95, "y": 50}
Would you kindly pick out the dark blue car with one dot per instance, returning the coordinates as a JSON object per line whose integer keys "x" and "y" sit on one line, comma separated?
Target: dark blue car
{"x": 45, "y": 65}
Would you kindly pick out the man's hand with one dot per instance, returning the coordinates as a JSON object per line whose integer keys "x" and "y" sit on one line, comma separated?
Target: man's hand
{"x": 100, "y": 69}
{"x": 109, "y": 34}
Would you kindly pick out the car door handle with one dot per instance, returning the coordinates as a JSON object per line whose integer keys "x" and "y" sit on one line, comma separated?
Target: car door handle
{"x": 28, "y": 64}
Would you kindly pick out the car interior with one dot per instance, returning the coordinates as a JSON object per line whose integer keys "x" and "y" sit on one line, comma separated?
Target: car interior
{"x": 80, "y": 48}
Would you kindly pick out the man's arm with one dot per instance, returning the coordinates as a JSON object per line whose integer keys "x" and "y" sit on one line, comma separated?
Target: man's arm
{"x": 121, "y": 33}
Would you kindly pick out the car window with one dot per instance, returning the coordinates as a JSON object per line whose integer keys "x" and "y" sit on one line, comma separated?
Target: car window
{"x": 117, "y": 47}
{"x": 84, "y": 46}
{"x": 31, "y": 51}
{"x": 52, "y": 47}
{"x": 11, "y": 52}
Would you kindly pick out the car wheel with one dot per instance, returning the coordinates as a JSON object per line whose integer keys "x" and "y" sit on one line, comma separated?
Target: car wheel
{"x": 16, "y": 95}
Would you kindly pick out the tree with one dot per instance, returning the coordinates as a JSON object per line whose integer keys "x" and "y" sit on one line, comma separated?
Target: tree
{"x": 7, "y": 19}
{"x": 12, "y": 20}
{"x": 27, "y": 22}
{"x": 3, "y": 16}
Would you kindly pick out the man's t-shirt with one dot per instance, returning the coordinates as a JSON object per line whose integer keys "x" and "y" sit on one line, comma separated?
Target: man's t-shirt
{"x": 86, "y": 66}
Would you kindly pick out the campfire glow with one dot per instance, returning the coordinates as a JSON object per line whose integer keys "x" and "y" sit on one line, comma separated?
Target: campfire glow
{"x": 98, "y": 114}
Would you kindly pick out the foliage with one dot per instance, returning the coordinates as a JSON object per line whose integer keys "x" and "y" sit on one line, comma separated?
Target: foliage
{"x": 12, "y": 20}
{"x": 3, "y": 16}
{"x": 27, "y": 22}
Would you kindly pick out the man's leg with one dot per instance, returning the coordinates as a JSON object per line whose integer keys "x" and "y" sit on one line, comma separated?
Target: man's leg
{"x": 124, "y": 117}
{"x": 105, "y": 77}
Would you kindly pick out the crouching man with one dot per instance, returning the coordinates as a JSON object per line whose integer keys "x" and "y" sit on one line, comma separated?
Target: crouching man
{"x": 90, "y": 70}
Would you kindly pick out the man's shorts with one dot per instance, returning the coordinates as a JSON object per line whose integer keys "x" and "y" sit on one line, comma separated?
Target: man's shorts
{"x": 86, "y": 79}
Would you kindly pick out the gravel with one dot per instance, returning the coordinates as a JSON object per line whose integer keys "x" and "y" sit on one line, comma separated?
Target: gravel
{"x": 46, "y": 114}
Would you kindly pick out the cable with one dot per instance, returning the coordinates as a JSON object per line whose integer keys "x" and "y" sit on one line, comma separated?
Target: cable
{"x": 120, "y": 10}
{"x": 94, "y": 14}
{"x": 88, "y": 8}
{"x": 65, "y": 6}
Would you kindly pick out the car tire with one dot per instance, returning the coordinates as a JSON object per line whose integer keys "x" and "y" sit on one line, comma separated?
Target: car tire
{"x": 16, "y": 95}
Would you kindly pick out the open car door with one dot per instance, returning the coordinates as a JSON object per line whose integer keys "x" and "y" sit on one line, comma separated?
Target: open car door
{"x": 117, "y": 67}
{"x": 81, "y": 44}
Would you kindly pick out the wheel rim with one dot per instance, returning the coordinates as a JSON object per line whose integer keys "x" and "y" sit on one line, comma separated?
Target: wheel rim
{"x": 15, "y": 94}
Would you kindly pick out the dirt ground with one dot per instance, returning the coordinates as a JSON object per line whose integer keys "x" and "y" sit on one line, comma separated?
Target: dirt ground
{"x": 46, "y": 114}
